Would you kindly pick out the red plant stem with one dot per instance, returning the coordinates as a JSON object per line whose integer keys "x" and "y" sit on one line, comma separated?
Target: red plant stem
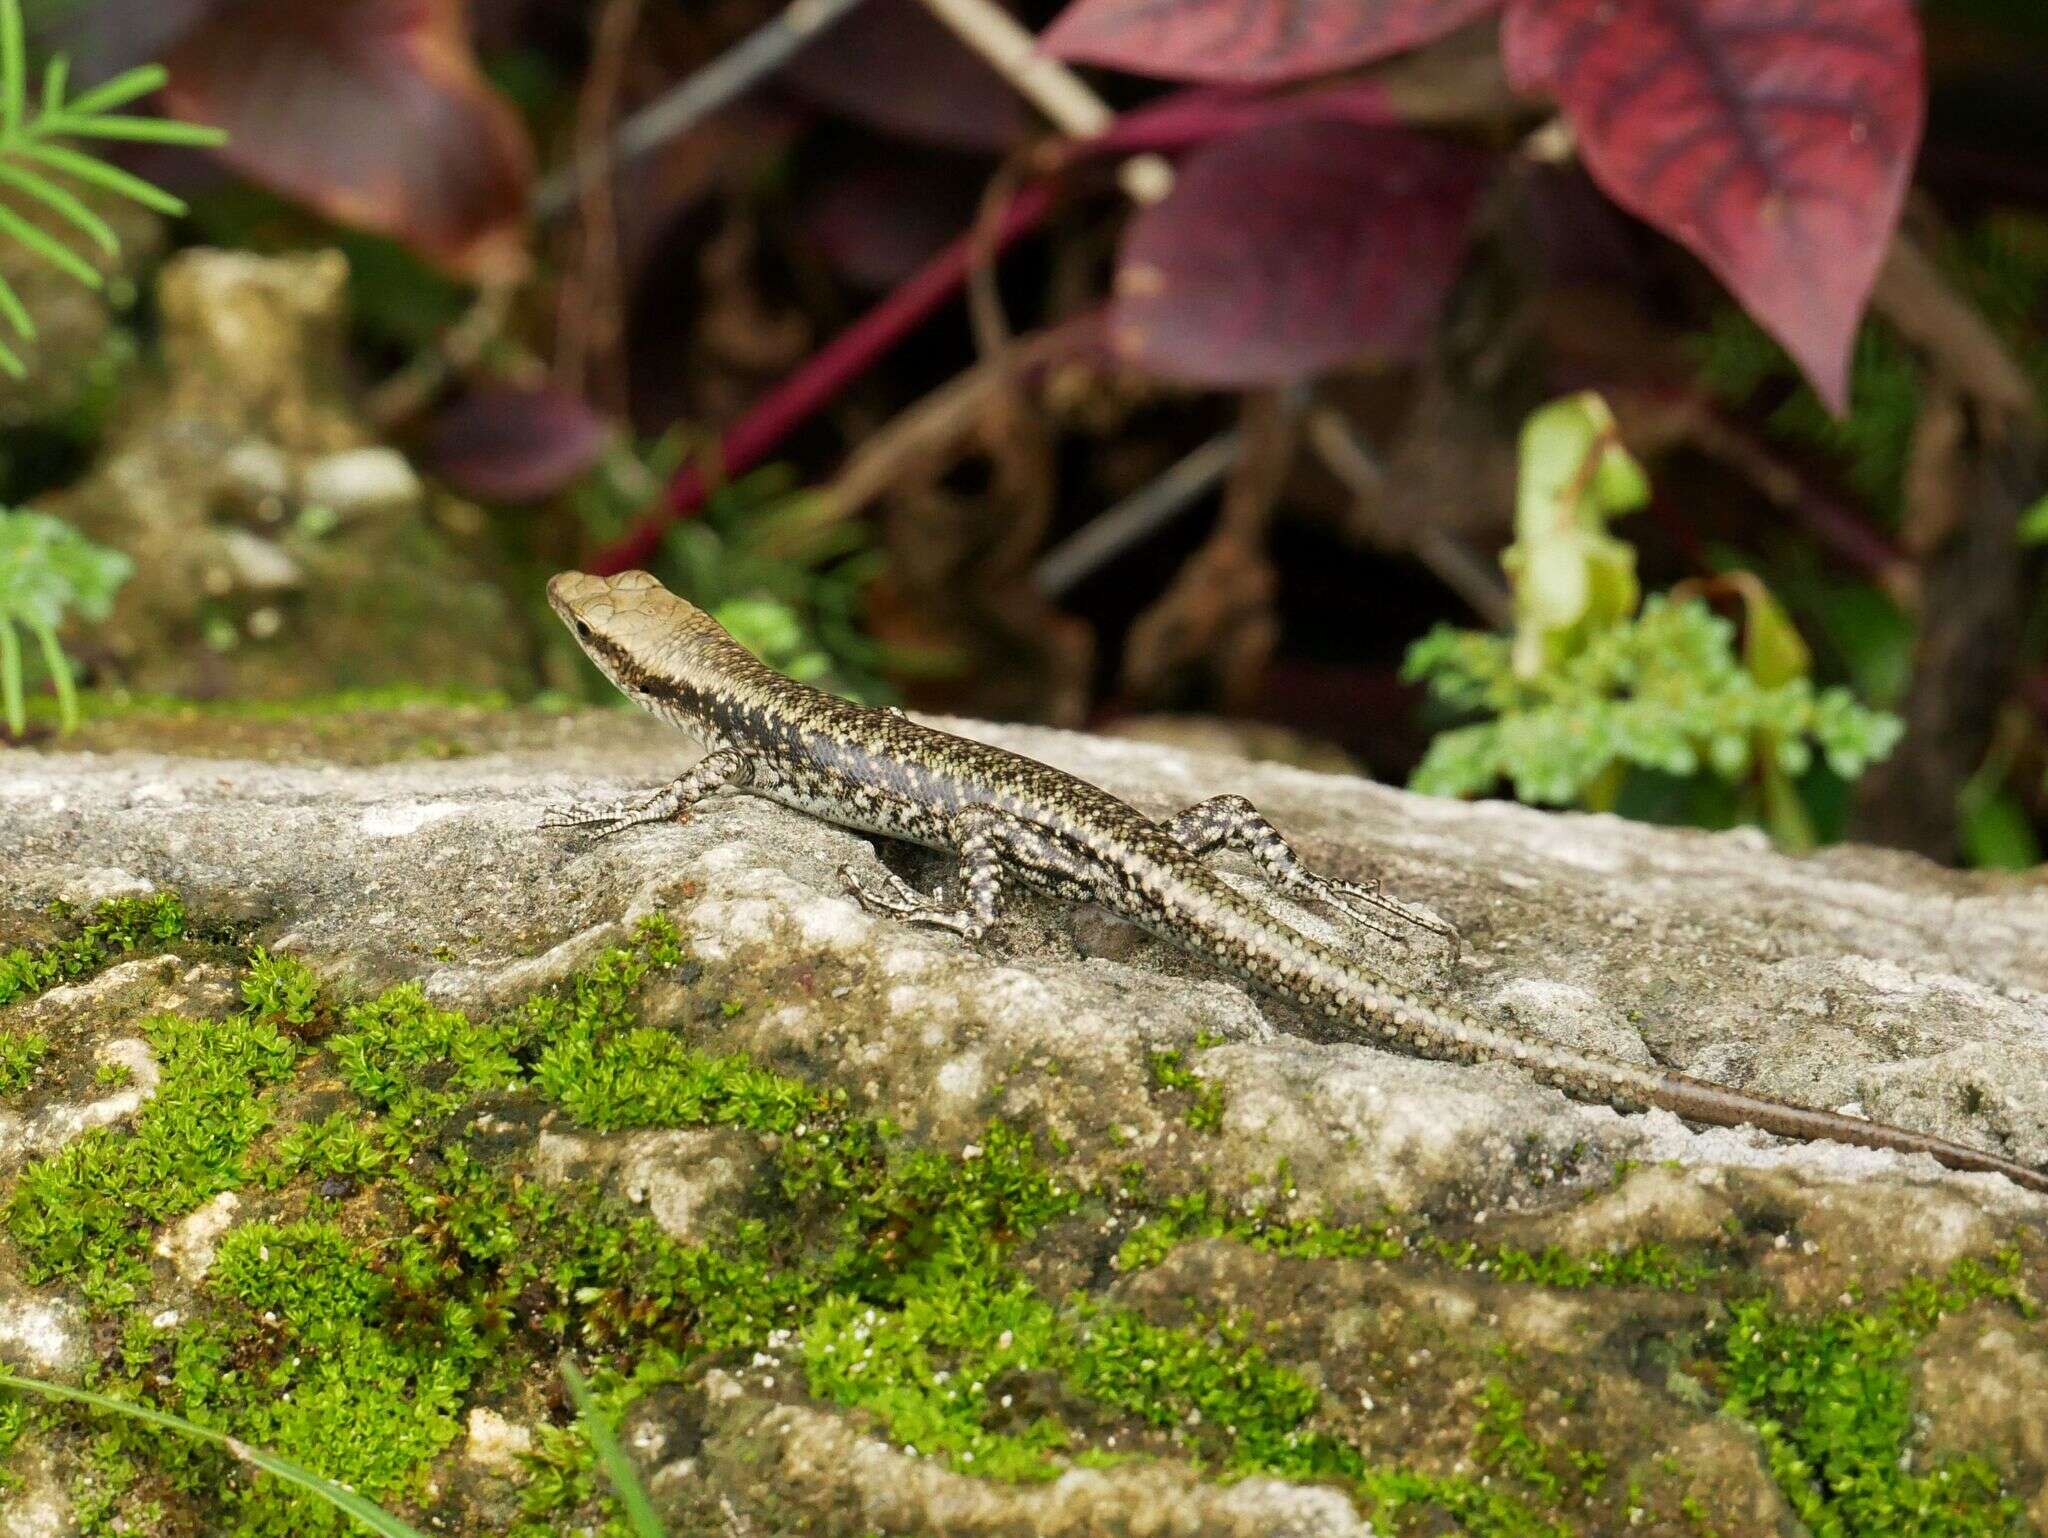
{"x": 825, "y": 373}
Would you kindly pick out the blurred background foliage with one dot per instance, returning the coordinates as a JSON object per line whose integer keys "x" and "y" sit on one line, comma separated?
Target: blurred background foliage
{"x": 1585, "y": 536}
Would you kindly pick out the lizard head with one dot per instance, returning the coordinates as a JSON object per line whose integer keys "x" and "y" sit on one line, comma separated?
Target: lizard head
{"x": 652, "y": 644}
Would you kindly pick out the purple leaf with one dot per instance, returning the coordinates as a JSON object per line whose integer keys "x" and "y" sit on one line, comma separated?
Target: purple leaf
{"x": 1250, "y": 41}
{"x": 502, "y": 444}
{"x": 1293, "y": 248}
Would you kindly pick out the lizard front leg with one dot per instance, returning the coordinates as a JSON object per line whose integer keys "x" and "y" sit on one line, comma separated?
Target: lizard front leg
{"x": 727, "y": 768}
{"x": 1232, "y": 822}
{"x": 996, "y": 850}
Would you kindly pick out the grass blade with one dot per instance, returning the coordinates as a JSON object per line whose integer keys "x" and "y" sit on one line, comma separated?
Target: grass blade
{"x": 49, "y": 248}
{"x": 34, "y": 184}
{"x": 372, "y": 1516}
{"x": 54, "y": 81}
{"x": 100, "y": 174}
{"x": 617, "y": 1466}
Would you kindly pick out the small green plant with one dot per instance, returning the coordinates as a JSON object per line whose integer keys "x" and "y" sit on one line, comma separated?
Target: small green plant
{"x": 35, "y": 162}
{"x": 1592, "y": 692}
{"x": 47, "y": 568}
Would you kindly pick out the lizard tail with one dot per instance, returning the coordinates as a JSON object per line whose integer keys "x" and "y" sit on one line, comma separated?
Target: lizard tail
{"x": 1700, "y": 1101}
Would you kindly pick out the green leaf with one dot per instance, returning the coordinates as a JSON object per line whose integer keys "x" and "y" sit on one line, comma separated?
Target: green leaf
{"x": 47, "y": 192}
{"x": 2034, "y": 524}
{"x": 12, "y": 707}
{"x": 632, "y": 1495}
{"x": 1571, "y": 578}
{"x": 1997, "y": 834}
{"x": 54, "y": 80}
{"x": 112, "y": 178}
{"x": 49, "y": 248}
{"x": 374, "y": 1517}
{"x": 1772, "y": 648}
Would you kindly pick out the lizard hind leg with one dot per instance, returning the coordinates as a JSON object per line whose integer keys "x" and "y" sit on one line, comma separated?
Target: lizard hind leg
{"x": 996, "y": 850}
{"x": 1232, "y": 822}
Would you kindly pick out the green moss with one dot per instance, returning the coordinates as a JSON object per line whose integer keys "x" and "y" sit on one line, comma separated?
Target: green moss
{"x": 877, "y": 1275}
{"x": 1830, "y": 1398}
{"x": 1206, "y": 1097}
{"x": 338, "y": 1148}
{"x": 1202, "y": 1216}
{"x": 84, "y": 1215}
{"x": 116, "y": 927}
{"x": 21, "y": 1054}
{"x": 109, "y": 704}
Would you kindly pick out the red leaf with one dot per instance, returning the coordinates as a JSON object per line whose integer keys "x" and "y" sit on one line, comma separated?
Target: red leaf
{"x": 372, "y": 111}
{"x": 1773, "y": 138}
{"x": 891, "y": 65}
{"x": 1291, "y": 248}
{"x": 502, "y": 444}
{"x": 1249, "y": 41}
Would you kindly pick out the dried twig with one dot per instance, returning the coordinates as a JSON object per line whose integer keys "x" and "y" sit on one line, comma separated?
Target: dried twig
{"x": 1067, "y": 101}
{"x": 591, "y": 317}
{"x": 1453, "y": 562}
{"x": 724, "y": 80}
{"x": 824, "y": 374}
{"x": 1142, "y": 513}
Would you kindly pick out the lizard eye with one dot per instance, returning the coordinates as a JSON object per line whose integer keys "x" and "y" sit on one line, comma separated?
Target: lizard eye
{"x": 582, "y": 628}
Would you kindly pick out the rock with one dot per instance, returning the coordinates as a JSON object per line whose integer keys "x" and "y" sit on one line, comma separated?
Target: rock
{"x": 278, "y": 550}
{"x": 1378, "y": 1292}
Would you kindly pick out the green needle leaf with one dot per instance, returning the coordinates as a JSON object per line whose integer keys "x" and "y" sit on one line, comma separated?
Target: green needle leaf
{"x": 100, "y": 174}
{"x": 15, "y": 312}
{"x": 47, "y": 192}
{"x": 118, "y": 92}
{"x": 137, "y": 130}
{"x": 48, "y": 247}
{"x": 13, "y": 67}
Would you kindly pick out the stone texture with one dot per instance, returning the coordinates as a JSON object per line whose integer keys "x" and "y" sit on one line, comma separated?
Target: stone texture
{"x": 1848, "y": 978}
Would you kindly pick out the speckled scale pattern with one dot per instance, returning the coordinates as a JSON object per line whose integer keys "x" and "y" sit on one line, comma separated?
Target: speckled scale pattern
{"x": 1012, "y": 819}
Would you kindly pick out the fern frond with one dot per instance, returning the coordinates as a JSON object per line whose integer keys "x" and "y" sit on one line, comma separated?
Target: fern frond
{"x": 30, "y": 147}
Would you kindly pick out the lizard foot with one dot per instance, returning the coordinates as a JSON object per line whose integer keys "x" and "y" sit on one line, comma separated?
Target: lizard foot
{"x": 897, "y": 898}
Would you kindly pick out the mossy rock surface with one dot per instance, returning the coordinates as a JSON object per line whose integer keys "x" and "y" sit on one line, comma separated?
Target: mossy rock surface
{"x": 340, "y": 1102}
